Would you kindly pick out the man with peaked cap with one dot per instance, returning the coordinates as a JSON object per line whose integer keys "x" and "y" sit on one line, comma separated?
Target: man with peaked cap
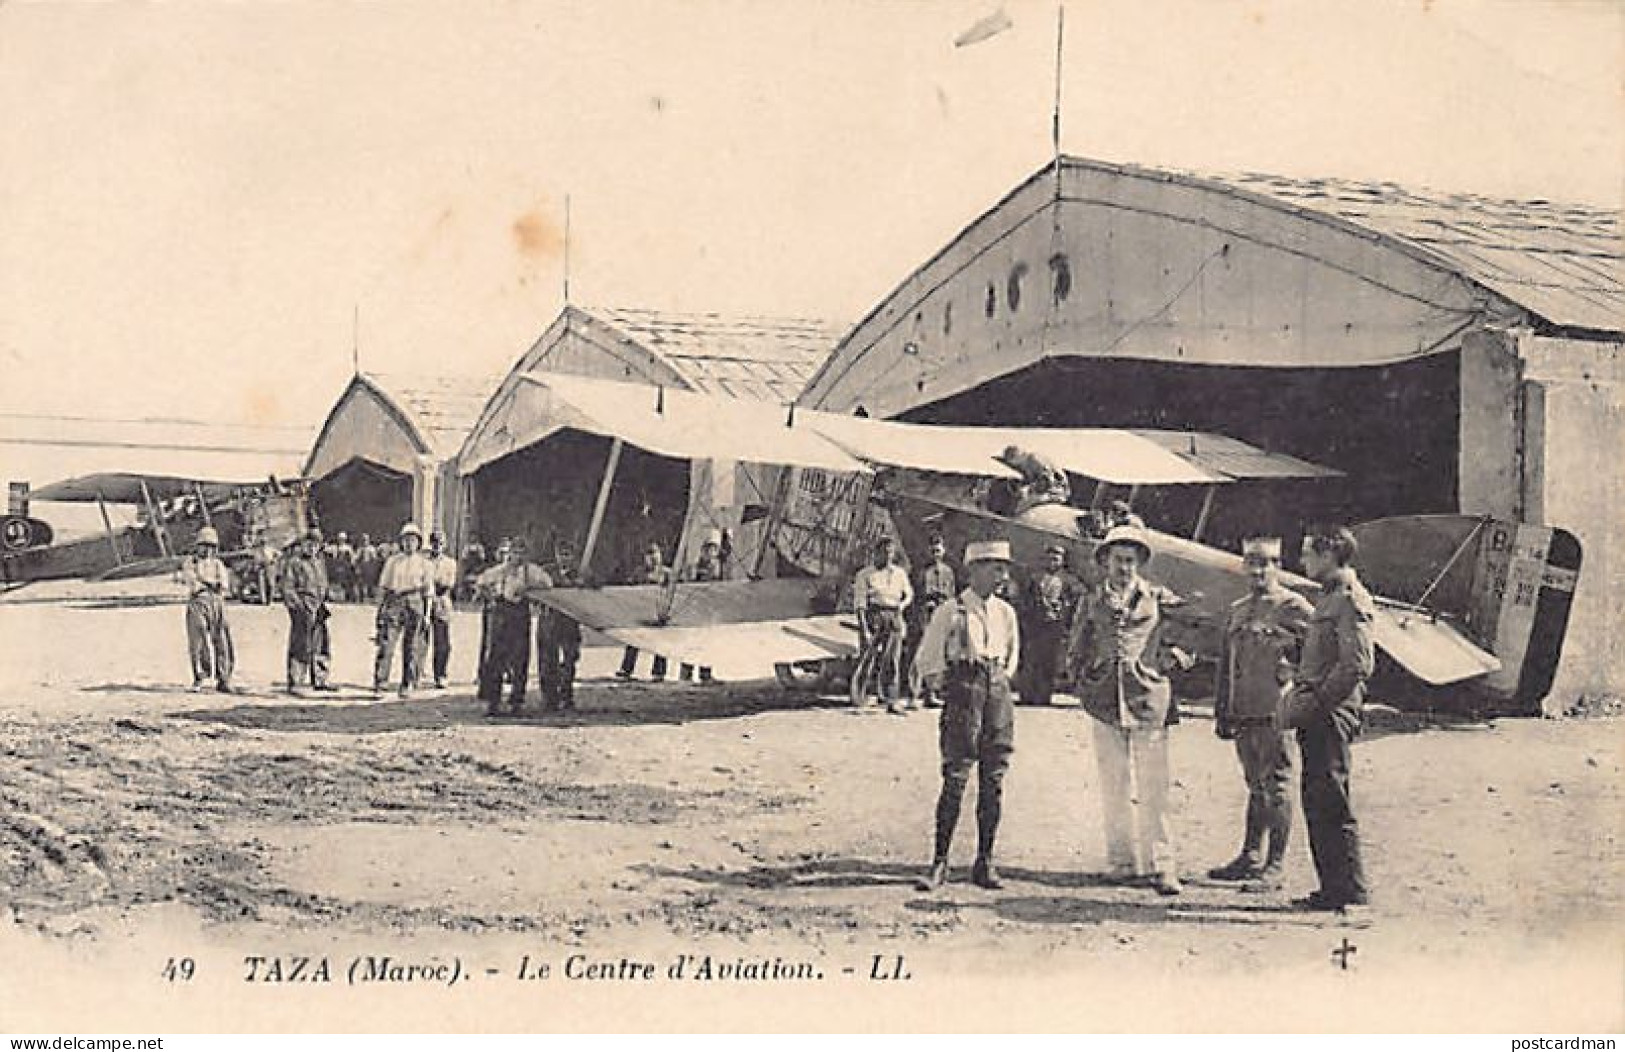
{"x": 405, "y": 590}
{"x": 969, "y": 654}
{"x": 881, "y": 595}
{"x": 208, "y": 636}
{"x": 507, "y": 589}
{"x": 1325, "y": 707}
{"x": 1263, "y": 639}
{"x": 1047, "y": 603}
{"x": 1115, "y": 655}
{"x": 304, "y": 594}
{"x": 443, "y": 574}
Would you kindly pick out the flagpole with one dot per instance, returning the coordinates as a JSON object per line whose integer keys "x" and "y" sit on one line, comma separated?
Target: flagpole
{"x": 1055, "y": 117}
{"x": 566, "y": 250}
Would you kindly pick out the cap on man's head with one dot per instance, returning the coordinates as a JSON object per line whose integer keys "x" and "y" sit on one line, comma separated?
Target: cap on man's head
{"x": 410, "y": 530}
{"x": 1056, "y": 548}
{"x": 713, "y": 537}
{"x": 1127, "y": 537}
{"x": 1261, "y": 548}
{"x": 208, "y": 535}
{"x": 343, "y": 536}
{"x": 987, "y": 551}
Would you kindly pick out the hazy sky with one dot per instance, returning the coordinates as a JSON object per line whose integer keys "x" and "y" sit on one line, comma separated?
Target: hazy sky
{"x": 194, "y": 197}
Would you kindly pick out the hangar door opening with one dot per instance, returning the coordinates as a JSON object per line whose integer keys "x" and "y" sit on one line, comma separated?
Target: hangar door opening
{"x": 362, "y": 497}
{"x": 1394, "y": 430}
{"x": 546, "y": 493}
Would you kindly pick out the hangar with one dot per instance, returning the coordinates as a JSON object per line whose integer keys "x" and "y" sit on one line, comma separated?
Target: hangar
{"x": 527, "y": 474}
{"x": 386, "y": 452}
{"x": 1446, "y": 352}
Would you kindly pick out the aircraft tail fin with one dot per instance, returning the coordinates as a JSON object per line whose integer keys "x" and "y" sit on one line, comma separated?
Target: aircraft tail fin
{"x": 1509, "y": 584}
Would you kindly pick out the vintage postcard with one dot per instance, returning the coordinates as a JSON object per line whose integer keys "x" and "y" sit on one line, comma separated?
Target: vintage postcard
{"x": 979, "y": 515}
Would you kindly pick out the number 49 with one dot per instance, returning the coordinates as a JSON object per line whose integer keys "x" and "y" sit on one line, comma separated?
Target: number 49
{"x": 179, "y": 970}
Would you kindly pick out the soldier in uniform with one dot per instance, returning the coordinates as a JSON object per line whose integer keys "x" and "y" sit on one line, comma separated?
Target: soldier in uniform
{"x": 1325, "y": 706}
{"x": 208, "y": 636}
{"x": 1263, "y": 638}
{"x": 507, "y": 589}
{"x": 934, "y": 586}
{"x": 443, "y": 573}
{"x": 1114, "y": 653}
{"x": 405, "y": 590}
{"x": 970, "y": 652}
{"x": 558, "y": 641}
{"x": 1051, "y": 597}
{"x": 881, "y": 595}
{"x": 304, "y": 594}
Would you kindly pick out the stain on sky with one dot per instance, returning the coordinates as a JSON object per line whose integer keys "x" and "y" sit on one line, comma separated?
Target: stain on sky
{"x": 262, "y": 408}
{"x": 536, "y": 237}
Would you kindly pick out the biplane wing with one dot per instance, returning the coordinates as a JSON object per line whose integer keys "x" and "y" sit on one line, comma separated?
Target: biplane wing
{"x": 740, "y": 629}
{"x": 120, "y": 487}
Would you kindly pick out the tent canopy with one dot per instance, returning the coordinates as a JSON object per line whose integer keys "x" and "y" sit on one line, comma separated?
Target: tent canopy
{"x": 697, "y": 426}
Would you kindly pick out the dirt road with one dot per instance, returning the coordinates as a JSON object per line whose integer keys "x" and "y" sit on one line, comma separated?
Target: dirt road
{"x": 142, "y": 822}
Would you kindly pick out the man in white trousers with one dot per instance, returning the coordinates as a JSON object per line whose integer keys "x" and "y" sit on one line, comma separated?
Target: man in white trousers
{"x": 1114, "y": 654}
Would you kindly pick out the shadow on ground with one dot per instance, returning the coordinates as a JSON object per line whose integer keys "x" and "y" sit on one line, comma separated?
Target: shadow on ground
{"x": 1093, "y": 898}
{"x": 352, "y": 712}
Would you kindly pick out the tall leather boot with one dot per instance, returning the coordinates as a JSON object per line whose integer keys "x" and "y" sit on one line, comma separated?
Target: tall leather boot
{"x": 948, "y": 804}
{"x": 989, "y": 808}
{"x": 1279, "y": 822}
{"x": 1245, "y": 865}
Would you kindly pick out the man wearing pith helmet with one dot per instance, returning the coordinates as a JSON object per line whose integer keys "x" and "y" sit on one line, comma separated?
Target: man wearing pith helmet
{"x": 1115, "y": 656}
{"x": 208, "y": 637}
{"x": 1258, "y": 656}
{"x": 969, "y": 655}
{"x": 405, "y": 589}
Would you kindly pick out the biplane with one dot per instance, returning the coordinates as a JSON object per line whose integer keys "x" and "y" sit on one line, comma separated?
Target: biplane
{"x": 169, "y": 512}
{"x": 1464, "y": 602}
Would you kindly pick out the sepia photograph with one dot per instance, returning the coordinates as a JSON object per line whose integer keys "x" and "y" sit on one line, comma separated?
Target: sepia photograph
{"x": 869, "y": 516}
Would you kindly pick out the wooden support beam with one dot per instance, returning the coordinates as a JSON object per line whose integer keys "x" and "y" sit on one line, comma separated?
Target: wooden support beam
{"x": 1202, "y": 516}
{"x": 112, "y": 538}
{"x": 156, "y": 518}
{"x": 600, "y": 506}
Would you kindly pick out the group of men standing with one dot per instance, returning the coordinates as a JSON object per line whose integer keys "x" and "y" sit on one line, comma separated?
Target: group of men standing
{"x": 414, "y": 612}
{"x": 1286, "y": 667}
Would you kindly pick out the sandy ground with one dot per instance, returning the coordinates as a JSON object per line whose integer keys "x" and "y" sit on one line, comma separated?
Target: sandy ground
{"x": 143, "y": 823}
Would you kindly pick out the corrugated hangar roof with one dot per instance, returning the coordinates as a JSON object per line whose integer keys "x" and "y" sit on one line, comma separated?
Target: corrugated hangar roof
{"x": 769, "y": 359}
{"x": 443, "y": 408}
{"x": 1563, "y": 262}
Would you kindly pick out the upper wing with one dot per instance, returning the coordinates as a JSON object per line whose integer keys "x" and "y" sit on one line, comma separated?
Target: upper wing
{"x": 126, "y": 488}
